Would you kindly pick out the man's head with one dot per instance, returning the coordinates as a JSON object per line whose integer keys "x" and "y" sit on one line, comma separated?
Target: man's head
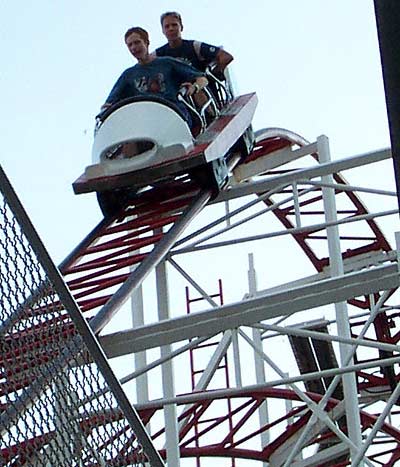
{"x": 172, "y": 26}
{"x": 137, "y": 41}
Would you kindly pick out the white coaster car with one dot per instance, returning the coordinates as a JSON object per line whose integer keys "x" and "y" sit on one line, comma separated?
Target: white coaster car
{"x": 138, "y": 133}
{"x": 144, "y": 140}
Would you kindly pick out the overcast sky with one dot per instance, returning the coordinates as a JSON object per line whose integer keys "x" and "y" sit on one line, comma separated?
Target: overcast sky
{"x": 314, "y": 64}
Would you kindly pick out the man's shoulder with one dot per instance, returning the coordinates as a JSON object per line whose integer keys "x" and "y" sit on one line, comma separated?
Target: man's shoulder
{"x": 127, "y": 73}
{"x": 160, "y": 51}
{"x": 131, "y": 69}
{"x": 161, "y": 59}
{"x": 163, "y": 50}
{"x": 200, "y": 49}
{"x": 210, "y": 47}
{"x": 163, "y": 64}
{"x": 195, "y": 43}
{"x": 188, "y": 44}
{"x": 165, "y": 60}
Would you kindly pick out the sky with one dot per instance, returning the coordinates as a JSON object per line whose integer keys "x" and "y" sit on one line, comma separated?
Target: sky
{"x": 314, "y": 65}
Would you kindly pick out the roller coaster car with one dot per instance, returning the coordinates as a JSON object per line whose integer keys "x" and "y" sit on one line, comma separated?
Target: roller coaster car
{"x": 141, "y": 141}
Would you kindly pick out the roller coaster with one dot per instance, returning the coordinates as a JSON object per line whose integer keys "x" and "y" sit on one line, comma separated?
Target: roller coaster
{"x": 303, "y": 372}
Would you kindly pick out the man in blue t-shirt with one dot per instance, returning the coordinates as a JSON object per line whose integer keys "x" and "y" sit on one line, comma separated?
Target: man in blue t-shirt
{"x": 197, "y": 54}
{"x": 154, "y": 76}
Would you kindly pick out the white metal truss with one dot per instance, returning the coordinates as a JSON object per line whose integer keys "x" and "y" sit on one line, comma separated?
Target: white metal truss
{"x": 282, "y": 309}
{"x": 308, "y": 325}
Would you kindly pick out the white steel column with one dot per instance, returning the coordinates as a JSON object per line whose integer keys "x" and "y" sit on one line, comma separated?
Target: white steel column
{"x": 142, "y": 383}
{"x": 140, "y": 358}
{"x": 263, "y": 414}
{"x": 236, "y": 359}
{"x": 296, "y": 204}
{"x": 171, "y": 426}
{"x": 342, "y": 318}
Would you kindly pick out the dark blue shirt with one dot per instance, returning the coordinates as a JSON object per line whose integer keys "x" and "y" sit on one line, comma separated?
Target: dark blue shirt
{"x": 197, "y": 54}
{"x": 161, "y": 77}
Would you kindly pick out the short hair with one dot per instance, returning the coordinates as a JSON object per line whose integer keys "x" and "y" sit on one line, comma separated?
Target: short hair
{"x": 140, "y": 31}
{"x": 174, "y": 14}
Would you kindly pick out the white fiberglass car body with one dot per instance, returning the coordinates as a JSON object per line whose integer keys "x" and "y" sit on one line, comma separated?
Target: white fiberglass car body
{"x": 145, "y": 140}
{"x": 138, "y": 133}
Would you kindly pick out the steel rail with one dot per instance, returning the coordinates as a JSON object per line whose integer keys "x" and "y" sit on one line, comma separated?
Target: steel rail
{"x": 159, "y": 252}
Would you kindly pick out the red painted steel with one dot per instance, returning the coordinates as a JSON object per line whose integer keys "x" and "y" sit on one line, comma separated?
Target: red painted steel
{"x": 240, "y": 441}
{"x": 370, "y": 240}
{"x": 94, "y": 272}
{"x": 101, "y": 264}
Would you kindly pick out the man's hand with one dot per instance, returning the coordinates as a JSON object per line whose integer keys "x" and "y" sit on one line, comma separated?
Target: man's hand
{"x": 197, "y": 86}
{"x": 191, "y": 88}
{"x": 105, "y": 107}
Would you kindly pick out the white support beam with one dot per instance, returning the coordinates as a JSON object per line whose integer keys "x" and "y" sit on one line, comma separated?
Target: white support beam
{"x": 271, "y": 161}
{"x": 167, "y": 371}
{"x": 323, "y": 457}
{"x": 342, "y": 316}
{"x": 336, "y": 166}
{"x": 252, "y": 311}
{"x": 263, "y": 411}
{"x": 246, "y": 391}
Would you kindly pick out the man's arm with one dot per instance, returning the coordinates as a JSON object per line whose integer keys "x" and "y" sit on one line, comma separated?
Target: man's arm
{"x": 211, "y": 54}
{"x": 223, "y": 59}
{"x": 117, "y": 92}
{"x": 192, "y": 79}
{"x": 193, "y": 88}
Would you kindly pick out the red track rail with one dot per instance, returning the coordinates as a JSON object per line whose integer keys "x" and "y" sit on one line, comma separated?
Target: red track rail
{"x": 103, "y": 261}
{"x": 239, "y": 440}
{"x": 368, "y": 239}
{"x": 101, "y": 264}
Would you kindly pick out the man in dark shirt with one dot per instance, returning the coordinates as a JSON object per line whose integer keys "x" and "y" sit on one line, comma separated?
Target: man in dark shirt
{"x": 197, "y": 54}
{"x": 154, "y": 76}
{"x": 151, "y": 76}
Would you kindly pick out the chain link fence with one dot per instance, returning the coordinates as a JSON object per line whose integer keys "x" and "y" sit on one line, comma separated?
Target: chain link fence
{"x": 56, "y": 406}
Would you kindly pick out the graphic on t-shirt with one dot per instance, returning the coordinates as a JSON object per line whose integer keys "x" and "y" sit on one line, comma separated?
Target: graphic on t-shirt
{"x": 153, "y": 84}
{"x": 184, "y": 60}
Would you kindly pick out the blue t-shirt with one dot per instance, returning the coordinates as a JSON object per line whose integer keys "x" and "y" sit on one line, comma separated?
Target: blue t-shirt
{"x": 162, "y": 77}
{"x": 197, "y": 54}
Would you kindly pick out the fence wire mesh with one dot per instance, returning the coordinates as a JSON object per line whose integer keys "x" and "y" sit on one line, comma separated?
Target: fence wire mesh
{"x": 55, "y": 406}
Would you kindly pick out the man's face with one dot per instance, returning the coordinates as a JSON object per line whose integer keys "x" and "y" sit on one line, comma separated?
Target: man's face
{"x": 171, "y": 28}
{"x": 137, "y": 46}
